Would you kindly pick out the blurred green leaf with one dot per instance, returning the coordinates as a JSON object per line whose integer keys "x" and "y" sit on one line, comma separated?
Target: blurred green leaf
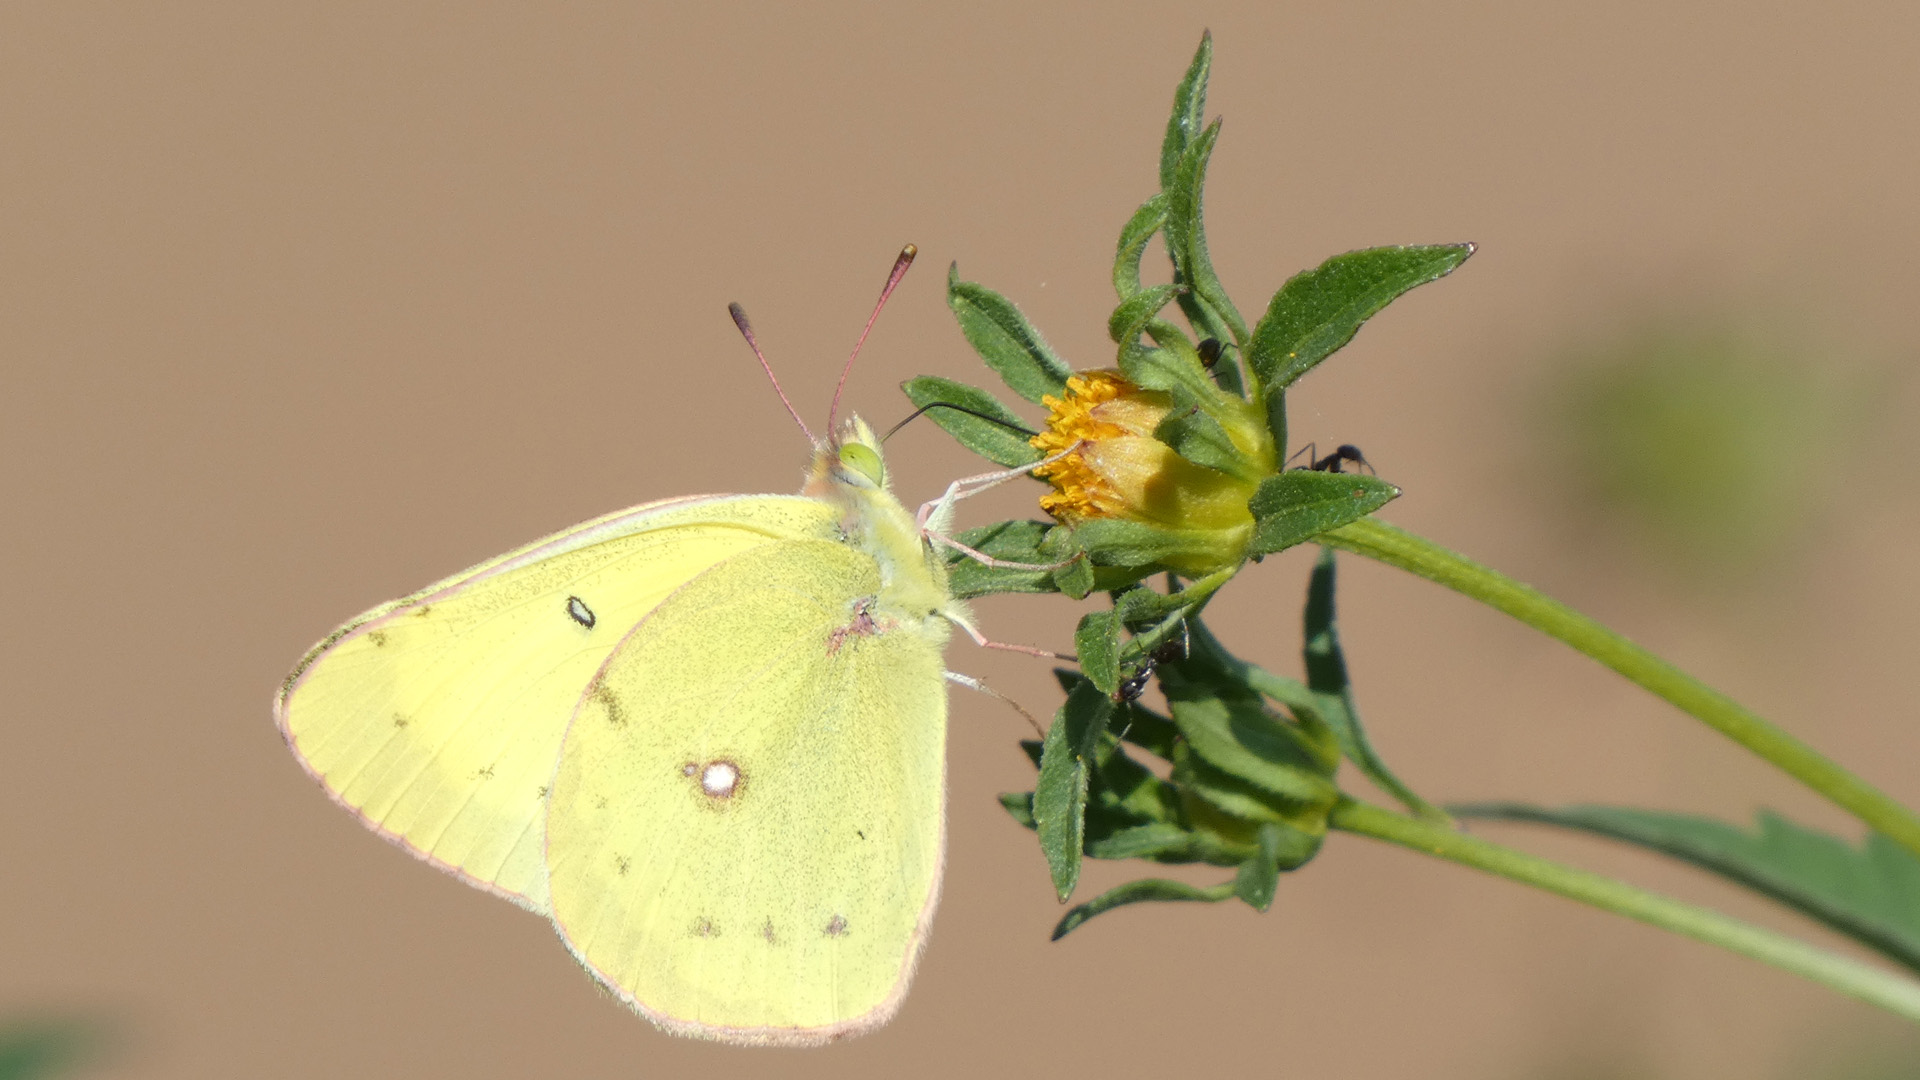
{"x": 1134, "y": 892}
{"x": 1060, "y": 794}
{"x": 1713, "y": 446}
{"x": 999, "y": 443}
{"x": 1005, "y": 340}
{"x": 1259, "y": 876}
{"x": 1327, "y": 679}
{"x": 1869, "y": 893}
{"x": 1319, "y": 310}
{"x": 43, "y": 1049}
{"x": 1296, "y": 506}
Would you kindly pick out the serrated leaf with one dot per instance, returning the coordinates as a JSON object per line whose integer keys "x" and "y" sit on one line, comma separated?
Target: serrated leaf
{"x": 1187, "y": 237}
{"x": 1060, "y": 795}
{"x": 998, "y": 443}
{"x": 1131, "y": 316}
{"x": 1319, "y": 310}
{"x": 1259, "y": 876}
{"x": 1135, "y": 892}
{"x": 1296, "y": 506}
{"x": 1870, "y": 893}
{"x": 1139, "y": 230}
{"x": 1189, "y": 110}
{"x": 1012, "y": 541}
{"x": 1327, "y": 679}
{"x": 1005, "y": 340}
{"x": 1097, "y": 642}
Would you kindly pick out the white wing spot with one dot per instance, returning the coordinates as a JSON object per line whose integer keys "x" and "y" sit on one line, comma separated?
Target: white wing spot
{"x": 720, "y": 779}
{"x": 581, "y": 613}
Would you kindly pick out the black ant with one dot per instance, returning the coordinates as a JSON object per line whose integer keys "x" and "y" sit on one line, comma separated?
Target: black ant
{"x": 1345, "y": 452}
{"x": 1135, "y": 684}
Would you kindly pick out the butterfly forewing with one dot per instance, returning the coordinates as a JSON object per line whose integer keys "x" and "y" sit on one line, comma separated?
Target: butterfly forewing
{"x": 438, "y": 718}
{"x": 745, "y": 832}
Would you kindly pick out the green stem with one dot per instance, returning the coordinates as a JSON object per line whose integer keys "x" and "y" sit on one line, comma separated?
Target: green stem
{"x": 1377, "y": 540}
{"x": 1871, "y": 984}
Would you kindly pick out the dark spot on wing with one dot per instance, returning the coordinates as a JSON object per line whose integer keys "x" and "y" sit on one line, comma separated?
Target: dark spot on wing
{"x": 860, "y": 833}
{"x": 608, "y": 700}
{"x": 837, "y": 926}
{"x": 599, "y": 802}
{"x": 400, "y": 720}
{"x": 540, "y": 792}
{"x": 485, "y": 773}
{"x": 704, "y": 927}
{"x": 578, "y": 610}
{"x": 622, "y": 864}
{"x": 767, "y": 932}
{"x": 377, "y": 637}
{"x": 423, "y": 611}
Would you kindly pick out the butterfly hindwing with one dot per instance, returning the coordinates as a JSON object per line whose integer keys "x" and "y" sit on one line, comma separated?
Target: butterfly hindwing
{"x": 438, "y": 718}
{"x": 745, "y": 832}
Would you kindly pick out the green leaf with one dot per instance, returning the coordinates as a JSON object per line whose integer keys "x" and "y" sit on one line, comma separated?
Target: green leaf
{"x": 1146, "y": 729}
{"x": 1259, "y": 876}
{"x": 1327, "y": 679}
{"x": 1199, "y": 438}
{"x": 1135, "y": 892}
{"x": 1060, "y": 795}
{"x": 1187, "y": 239}
{"x": 1112, "y": 542}
{"x": 1869, "y": 893}
{"x": 1005, "y": 340}
{"x": 1300, "y": 504}
{"x": 1130, "y": 317}
{"x": 998, "y": 443}
{"x": 1013, "y": 541}
{"x": 1170, "y": 370}
{"x": 1019, "y": 806}
{"x": 1319, "y": 310}
{"x": 1097, "y": 642}
{"x": 1228, "y": 726}
{"x": 1143, "y": 842}
{"x": 1149, "y": 219}
{"x": 1077, "y": 577}
{"x": 1189, "y": 110}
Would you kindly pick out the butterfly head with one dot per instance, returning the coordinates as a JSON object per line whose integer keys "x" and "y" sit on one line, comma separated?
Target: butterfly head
{"x": 849, "y": 459}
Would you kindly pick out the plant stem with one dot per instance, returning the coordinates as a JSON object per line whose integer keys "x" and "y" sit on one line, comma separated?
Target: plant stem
{"x": 1378, "y": 540}
{"x": 1871, "y": 984}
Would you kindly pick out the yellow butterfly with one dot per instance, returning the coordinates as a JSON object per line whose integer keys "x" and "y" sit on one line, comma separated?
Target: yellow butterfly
{"x": 706, "y": 736}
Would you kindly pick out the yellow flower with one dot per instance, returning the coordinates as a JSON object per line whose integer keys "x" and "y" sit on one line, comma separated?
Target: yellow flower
{"x": 1121, "y": 471}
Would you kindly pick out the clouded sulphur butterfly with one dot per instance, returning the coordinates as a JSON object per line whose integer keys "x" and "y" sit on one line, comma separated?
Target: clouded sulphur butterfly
{"x": 706, "y": 736}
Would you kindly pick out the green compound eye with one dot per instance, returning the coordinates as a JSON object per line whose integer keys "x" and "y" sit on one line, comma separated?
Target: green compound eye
{"x": 865, "y": 461}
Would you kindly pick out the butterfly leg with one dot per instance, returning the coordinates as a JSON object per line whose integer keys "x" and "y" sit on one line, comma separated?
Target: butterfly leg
{"x": 984, "y": 559}
{"x": 972, "y": 683}
{"x": 968, "y": 486}
{"x": 960, "y": 620}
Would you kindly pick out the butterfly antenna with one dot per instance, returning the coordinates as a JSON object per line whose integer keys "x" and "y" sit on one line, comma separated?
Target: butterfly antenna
{"x": 746, "y": 331}
{"x": 899, "y": 271}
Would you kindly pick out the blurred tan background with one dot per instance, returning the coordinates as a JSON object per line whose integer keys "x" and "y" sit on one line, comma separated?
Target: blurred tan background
{"x": 301, "y": 308}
